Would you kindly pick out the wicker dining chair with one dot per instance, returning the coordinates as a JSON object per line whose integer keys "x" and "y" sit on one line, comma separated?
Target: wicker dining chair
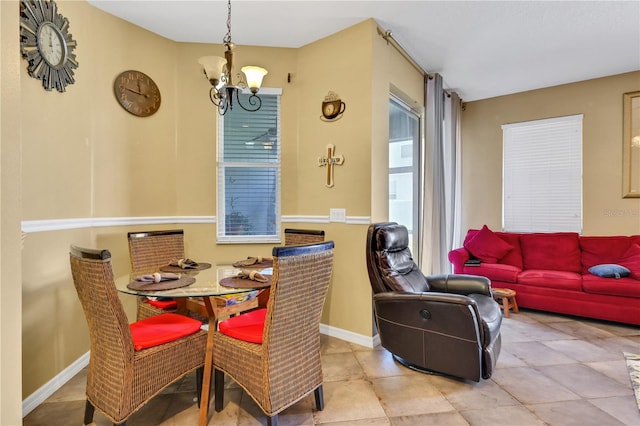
{"x": 123, "y": 374}
{"x": 285, "y": 366}
{"x": 302, "y": 236}
{"x": 294, "y": 237}
{"x": 148, "y": 251}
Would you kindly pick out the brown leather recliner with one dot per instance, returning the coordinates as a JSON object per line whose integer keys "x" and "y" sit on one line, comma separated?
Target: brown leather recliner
{"x": 447, "y": 324}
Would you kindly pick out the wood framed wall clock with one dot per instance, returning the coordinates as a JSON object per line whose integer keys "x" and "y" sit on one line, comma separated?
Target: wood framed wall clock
{"x": 45, "y": 42}
{"x": 137, "y": 93}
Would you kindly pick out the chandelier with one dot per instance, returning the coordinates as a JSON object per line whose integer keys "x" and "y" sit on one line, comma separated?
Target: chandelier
{"x": 219, "y": 72}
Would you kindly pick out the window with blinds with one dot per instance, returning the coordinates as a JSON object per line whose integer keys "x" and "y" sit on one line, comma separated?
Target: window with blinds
{"x": 542, "y": 175}
{"x": 249, "y": 172}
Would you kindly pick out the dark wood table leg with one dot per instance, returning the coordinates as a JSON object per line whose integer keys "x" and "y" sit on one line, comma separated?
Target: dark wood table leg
{"x": 205, "y": 398}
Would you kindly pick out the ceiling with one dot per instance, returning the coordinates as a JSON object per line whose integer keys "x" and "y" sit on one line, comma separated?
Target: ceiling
{"x": 482, "y": 49}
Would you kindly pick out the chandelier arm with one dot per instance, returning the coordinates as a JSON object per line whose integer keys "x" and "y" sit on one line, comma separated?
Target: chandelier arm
{"x": 223, "y": 107}
{"x": 254, "y": 101}
{"x": 215, "y": 97}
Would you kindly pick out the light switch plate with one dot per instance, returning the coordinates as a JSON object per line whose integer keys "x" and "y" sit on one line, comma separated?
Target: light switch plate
{"x": 337, "y": 215}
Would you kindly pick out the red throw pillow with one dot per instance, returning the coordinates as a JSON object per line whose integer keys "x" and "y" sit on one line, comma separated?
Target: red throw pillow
{"x": 631, "y": 261}
{"x": 487, "y": 246}
{"x": 160, "y": 329}
{"x": 248, "y": 327}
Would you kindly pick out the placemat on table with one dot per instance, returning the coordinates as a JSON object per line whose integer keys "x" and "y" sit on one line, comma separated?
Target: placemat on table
{"x": 236, "y": 282}
{"x": 266, "y": 263}
{"x": 201, "y": 266}
{"x": 162, "y": 285}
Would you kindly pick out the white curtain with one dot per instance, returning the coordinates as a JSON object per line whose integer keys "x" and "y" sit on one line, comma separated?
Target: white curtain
{"x": 440, "y": 211}
{"x": 453, "y": 174}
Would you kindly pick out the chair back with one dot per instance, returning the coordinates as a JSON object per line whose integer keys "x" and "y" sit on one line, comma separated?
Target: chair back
{"x": 109, "y": 333}
{"x": 301, "y": 276}
{"x": 389, "y": 261}
{"x": 302, "y": 236}
{"x": 150, "y": 250}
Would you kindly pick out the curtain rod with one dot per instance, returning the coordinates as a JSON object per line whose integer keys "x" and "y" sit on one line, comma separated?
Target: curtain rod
{"x": 388, "y": 37}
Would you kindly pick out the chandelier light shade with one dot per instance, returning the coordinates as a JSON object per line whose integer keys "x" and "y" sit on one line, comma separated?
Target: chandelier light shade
{"x": 219, "y": 71}
{"x": 213, "y": 67}
{"x": 254, "y": 77}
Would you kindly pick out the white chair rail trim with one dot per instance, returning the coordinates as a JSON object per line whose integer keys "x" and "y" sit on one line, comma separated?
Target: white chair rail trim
{"x": 30, "y": 226}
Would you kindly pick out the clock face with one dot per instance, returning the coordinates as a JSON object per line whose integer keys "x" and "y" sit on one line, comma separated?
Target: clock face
{"x": 329, "y": 109}
{"x": 51, "y": 44}
{"x": 137, "y": 93}
{"x": 46, "y": 44}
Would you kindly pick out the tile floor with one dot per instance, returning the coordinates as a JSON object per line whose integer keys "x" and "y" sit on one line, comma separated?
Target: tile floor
{"x": 553, "y": 370}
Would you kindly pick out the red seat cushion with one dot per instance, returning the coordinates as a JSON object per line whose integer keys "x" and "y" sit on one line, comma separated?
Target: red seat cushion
{"x": 550, "y": 278}
{"x": 624, "y": 287}
{"x": 248, "y": 327}
{"x": 495, "y": 272}
{"x": 163, "y": 304}
{"x": 160, "y": 329}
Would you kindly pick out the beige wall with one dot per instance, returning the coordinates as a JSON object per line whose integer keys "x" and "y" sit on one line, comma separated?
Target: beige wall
{"x": 10, "y": 276}
{"x": 84, "y": 157}
{"x": 605, "y": 212}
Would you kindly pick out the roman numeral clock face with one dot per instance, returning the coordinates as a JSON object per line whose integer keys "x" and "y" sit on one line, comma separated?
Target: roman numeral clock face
{"x": 137, "y": 93}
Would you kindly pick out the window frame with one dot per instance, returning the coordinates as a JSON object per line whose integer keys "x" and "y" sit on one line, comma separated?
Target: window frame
{"x": 222, "y": 165}
{"x": 559, "y": 143}
{"x": 414, "y": 227}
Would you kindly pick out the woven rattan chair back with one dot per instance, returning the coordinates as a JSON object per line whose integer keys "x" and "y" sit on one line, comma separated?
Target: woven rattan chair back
{"x": 286, "y": 367}
{"x": 120, "y": 380}
{"x": 302, "y": 236}
{"x": 152, "y": 249}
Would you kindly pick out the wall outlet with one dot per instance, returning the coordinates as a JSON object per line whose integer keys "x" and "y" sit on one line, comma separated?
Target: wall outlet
{"x": 337, "y": 215}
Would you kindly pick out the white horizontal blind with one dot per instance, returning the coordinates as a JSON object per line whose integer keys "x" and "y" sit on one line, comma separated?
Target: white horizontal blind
{"x": 249, "y": 173}
{"x": 542, "y": 175}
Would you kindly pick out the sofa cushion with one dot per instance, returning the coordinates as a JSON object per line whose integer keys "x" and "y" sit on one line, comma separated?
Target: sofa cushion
{"x": 487, "y": 246}
{"x": 631, "y": 260}
{"x": 609, "y": 270}
{"x": 624, "y": 287}
{"x": 559, "y": 251}
{"x": 602, "y": 249}
{"x": 495, "y": 272}
{"x": 514, "y": 256}
{"x": 551, "y": 279}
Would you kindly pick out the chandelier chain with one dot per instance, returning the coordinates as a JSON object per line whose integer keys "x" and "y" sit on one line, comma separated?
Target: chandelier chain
{"x": 227, "y": 38}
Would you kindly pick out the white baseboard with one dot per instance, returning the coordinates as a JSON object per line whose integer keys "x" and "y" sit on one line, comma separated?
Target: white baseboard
{"x": 49, "y": 388}
{"x": 350, "y": 336}
{"x": 39, "y": 396}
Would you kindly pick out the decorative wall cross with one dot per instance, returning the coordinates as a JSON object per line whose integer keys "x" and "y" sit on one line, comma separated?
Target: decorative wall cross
{"x": 329, "y": 160}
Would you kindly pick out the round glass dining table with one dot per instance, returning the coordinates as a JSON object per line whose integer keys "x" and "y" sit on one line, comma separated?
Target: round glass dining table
{"x": 207, "y": 283}
{"x": 206, "y": 286}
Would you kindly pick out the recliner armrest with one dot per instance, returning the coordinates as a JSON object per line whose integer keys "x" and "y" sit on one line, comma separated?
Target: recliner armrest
{"x": 460, "y": 283}
{"x": 431, "y": 296}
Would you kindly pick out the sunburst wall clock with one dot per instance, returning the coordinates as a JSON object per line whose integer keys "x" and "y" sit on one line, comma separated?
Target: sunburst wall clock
{"x": 46, "y": 43}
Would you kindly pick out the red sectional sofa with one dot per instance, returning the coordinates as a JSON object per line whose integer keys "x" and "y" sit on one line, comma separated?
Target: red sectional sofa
{"x": 550, "y": 271}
